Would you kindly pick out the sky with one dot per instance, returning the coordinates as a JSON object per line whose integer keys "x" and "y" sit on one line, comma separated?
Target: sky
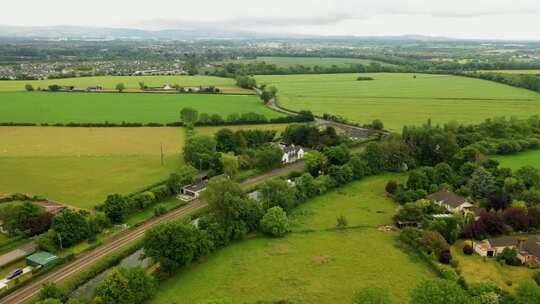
{"x": 490, "y": 19}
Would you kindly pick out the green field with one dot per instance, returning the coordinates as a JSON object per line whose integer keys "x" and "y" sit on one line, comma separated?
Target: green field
{"x": 80, "y": 166}
{"x": 322, "y": 266}
{"x": 399, "y": 99}
{"x": 285, "y": 62}
{"x": 525, "y": 72}
{"x": 43, "y": 107}
{"x": 516, "y": 161}
{"x": 132, "y": 82}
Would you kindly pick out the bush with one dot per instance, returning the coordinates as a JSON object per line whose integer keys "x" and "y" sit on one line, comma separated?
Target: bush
{"x": 468, "y": 249}
{"x": 275, "y": 222}
{"x": 391, "y": 187}
{"x": 342, "y": 222}
{"x": 445, "y": 257}
{"x": 536, "y": 277}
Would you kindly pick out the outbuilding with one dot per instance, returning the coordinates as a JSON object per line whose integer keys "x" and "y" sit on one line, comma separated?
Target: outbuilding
{"x": 41, "y": 259}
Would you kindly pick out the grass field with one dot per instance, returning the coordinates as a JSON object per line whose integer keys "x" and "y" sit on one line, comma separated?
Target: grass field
{"x": 516, "y": 161}
{"x": 80, "y": 166}
{"x": 285, "y": 62}
{"x": 131, "y": 82}
{"x": 322, "y": 266}
{"x": 43, "y": 107}
{"x": 399, "y": 99}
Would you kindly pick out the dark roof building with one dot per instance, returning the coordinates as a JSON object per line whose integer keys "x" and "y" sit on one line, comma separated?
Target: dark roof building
{"x": 448, "y": 198}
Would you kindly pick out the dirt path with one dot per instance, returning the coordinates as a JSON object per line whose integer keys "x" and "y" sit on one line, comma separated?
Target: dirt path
{"x": 73, "y": 268}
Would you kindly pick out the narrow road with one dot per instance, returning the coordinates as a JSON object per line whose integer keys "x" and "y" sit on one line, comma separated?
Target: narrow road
{"x": 64, "y": 272}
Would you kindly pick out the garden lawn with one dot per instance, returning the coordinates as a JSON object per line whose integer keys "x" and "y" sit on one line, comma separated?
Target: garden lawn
{"x": 516, "y": 161}
{"x": 399, "y": 99}
{"x": 61, "y": 107}
{"x": 131, "y": 82}
{"x": 476, "y": 269}
{"x": 81, "y": 166}
{"x": 314, "y": 263}
{"x": 285, "y": 62}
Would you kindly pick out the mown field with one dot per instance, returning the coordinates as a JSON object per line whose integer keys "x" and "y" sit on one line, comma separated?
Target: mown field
{"x": 81, "y": 166}
{"x": 285, "y": 62}
{"x": 516, "y": 161}
{"x": 400, "y": 99}
{"x": 44, "y": 107}
{"x": 320, "y": 266}
{"x": 131, "y": 82}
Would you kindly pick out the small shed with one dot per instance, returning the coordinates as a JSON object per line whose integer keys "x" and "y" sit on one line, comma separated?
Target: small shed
{"x": 41, "y": 259}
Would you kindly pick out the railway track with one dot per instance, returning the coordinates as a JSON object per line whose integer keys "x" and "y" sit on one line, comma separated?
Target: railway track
{"x": 28, "y": 292}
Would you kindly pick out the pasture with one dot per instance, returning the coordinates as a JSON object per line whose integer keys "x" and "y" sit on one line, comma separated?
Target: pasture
{"x": 399, "y": 99}
{"x": 313, "y": 264}
{"x": 131, "y": 82}
{"x": 285, "y": 62}
{"x": 45, "y": 107}
{"x": 81, "y": 166}
{"x": 516, "y": 161}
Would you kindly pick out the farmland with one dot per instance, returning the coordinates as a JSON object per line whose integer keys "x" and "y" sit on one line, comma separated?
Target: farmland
{"x": 131, "y": 82}
{"x": 43, "y": 107}
{"x": 321, "y": 265}
{"x": 528, "y": 158}
{"x": 80, "y": 166}
{"x": 400, "y": 99}
{"x": 285, "y": 62}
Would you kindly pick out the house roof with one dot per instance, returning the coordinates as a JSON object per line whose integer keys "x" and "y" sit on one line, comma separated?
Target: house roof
{"x": 532, "y": 246}
{"x": 448, "y": 197}
{"x": 503, "y": 241}
{"x": 42, "y": 258}
{"x": 197, "y": 187}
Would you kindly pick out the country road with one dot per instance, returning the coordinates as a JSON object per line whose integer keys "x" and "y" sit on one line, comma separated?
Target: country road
{"x": 64, "y": 272}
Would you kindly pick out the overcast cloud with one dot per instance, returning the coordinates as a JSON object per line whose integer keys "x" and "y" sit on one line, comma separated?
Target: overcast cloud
{"x": 503, "y": 19}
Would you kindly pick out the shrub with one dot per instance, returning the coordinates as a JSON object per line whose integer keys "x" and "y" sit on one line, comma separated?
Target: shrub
{"x": 391, "y": 187}
{"x": 445, "y": 257}
{"x": 536, "y": 277}
{"x": 275, "y": 222}
{"x": 468, "y": 249}
{"x": 341, "y": 222}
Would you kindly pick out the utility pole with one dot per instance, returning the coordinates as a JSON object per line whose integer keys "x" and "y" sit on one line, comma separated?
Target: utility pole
{"x": 161, "y": 153}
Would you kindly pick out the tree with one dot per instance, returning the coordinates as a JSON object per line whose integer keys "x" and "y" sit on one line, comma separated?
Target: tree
{"x": 120, "y": 87}
{"x": 199, "y": 151}
{"x": 305, "y": 187}
{"x": 275, "y": 222}
{"x": 246, "y": 82}
{"x": 377, "y": 124}
{"x": 373, "y": 156}
{"x": 50, "y": 290}
{"x": 391, "y": 187}
{"x": 338, "y": 155}
{"x": 449, "y": 228}
{"x": 27, "y": 219}
{"x": 126, "y": 286}
{"x": 315, "y": 163}
{"x": 268, "y": 157}
{"x": 341, "y": 174}
{"x": 509, "y": 256}
{"x": 176, "y": 244}
{"x": 277, "y": 192}
{"x": 225, "y": 198}
{"x": 439, "y": 291}
{"x": 372, "y": 295}
{"x": 189, "y": 116}
{"x": 71, "y": 227}
{"x": 185, "y": 176}
{"x": 115, "y": 207}
{"x": 529, "y": 175}
{"x": 516, "y": 218}
{"x": 434, "y": 242}
{"x": 444, "y": 174}
{"x": 28, "y": 87}
{"x": 226, "y": 140}
{"x": 418, "y": 180}
{"x": 230, "y": 164}
{"x": 359, "y": 166}
{"x": 527, "y": 293}
{"x": 482, "y": 183}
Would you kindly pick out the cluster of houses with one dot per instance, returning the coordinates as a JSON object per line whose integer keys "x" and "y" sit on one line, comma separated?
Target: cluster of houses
{"x": 528, "y": 248}
{"x": 291, "y": 154}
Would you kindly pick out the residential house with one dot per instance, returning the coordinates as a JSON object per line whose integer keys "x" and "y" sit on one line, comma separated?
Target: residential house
{"x": 195, "y": 190}
{"x": 528, "y": 250}
{"x": 291, "y": 153}
{"x": 451, "y": 201}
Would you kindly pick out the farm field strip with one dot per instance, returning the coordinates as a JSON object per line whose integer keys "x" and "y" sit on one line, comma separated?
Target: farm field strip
{"x": 516, "y": 161}
{"x": 400, "y": 99}
{"x": 44, "y": 107}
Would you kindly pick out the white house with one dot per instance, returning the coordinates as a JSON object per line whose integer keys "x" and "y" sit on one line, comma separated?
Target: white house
{"x": 291, "y": 153}
{"x": 451, "y": 201}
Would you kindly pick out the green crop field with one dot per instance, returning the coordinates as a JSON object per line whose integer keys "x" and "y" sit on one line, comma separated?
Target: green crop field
{"x": 285, "y": 62}
{"x": 44, "y": 107}
{"x": 320, "y": 266}
{"x": 81, "y": 166}
{"x": 400, "y": 99}
{"x": 516, "y": 161}
{"x": 131, "y": 82}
